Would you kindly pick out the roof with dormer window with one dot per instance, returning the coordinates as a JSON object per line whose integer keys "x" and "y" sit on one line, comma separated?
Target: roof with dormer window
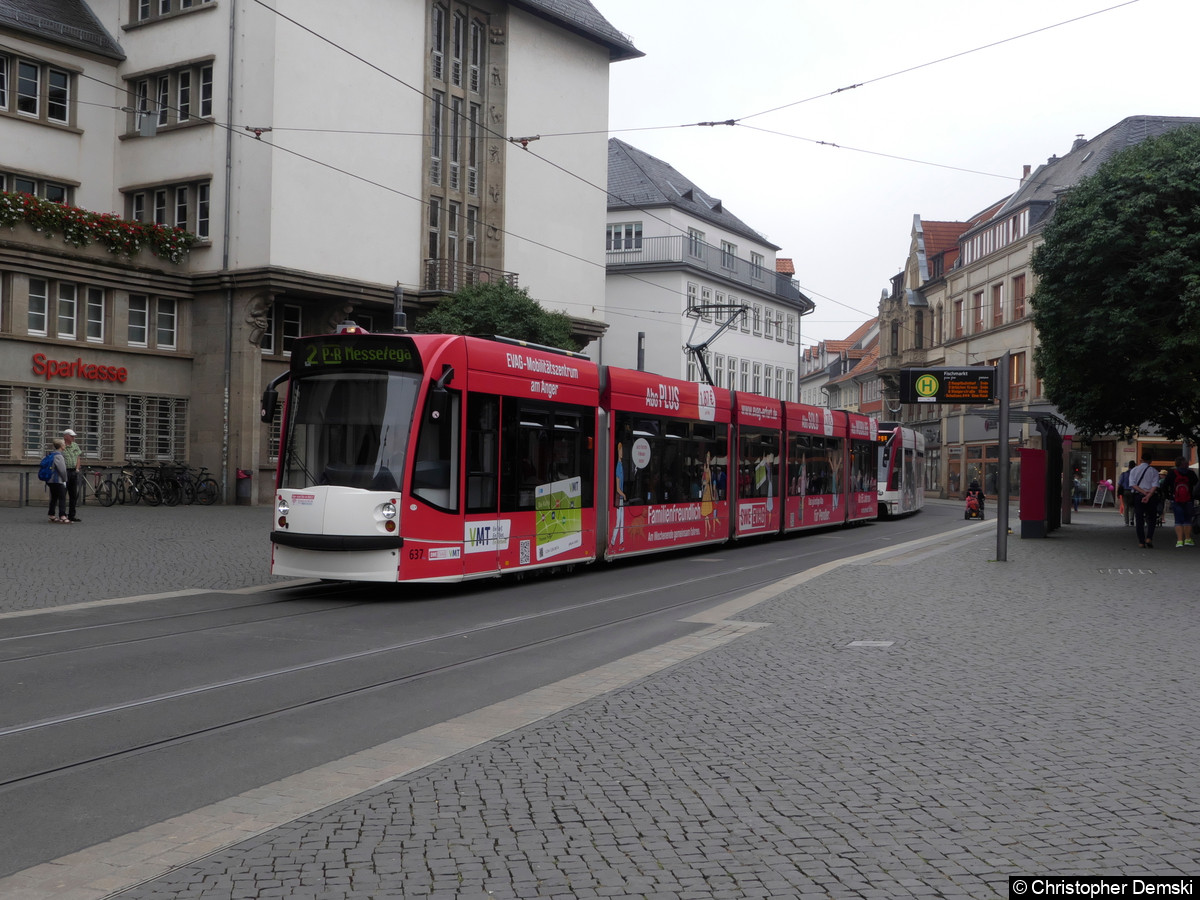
{"x": 637, "y": 180}
{"x": 67, "y": 23}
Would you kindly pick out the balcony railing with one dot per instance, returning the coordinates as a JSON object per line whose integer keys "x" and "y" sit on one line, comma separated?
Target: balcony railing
{"x": 448, "y": 275}
{"x": 682, "y": 250}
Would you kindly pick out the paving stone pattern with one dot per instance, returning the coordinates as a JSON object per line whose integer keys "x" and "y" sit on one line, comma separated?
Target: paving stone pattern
{"x": 125, "y": 551}
{"x": 1036, "y": 716}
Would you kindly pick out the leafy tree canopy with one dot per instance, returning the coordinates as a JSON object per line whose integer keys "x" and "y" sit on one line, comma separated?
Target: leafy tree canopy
{"x": 497, "y": 308}
{"x": 1117, "y": 304}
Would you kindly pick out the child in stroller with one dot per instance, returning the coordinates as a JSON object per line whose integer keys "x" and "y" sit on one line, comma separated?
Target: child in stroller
{"x": 974, "y": 502}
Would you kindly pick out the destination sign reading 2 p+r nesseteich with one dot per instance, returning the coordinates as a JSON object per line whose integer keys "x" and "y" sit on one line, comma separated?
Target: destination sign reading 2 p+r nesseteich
{"x": 971, "y": 384}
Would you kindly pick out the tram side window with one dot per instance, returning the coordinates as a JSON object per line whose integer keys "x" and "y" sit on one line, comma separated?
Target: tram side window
{"x": 435, "y": 468}
{"x": 676, "y": 453}
{"x": 543, "y": 444}
{"x": 757, "y": 462}
{"x": 483, "y": 422}
{"x": 862, "y": 466}
{"x": 814, "y": 465}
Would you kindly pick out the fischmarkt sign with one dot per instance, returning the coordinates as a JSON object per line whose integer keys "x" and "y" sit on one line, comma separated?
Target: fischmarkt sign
{"x": 970, "y": 384}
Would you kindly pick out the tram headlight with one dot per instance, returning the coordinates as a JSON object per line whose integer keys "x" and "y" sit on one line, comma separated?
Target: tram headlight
{"x": 388, "y": 510}
{"x": 281, "y": 507}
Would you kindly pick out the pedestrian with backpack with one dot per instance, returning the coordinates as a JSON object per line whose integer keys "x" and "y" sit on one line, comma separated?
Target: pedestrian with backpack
{"x": 1181, "y": 488}
{"x": 57, "y": 483}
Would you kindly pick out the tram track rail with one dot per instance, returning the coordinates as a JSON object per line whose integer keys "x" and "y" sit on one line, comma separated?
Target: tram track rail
{"x": 88, "y": 718}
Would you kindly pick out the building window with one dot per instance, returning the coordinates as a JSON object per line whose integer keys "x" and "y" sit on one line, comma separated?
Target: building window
{"x": 696, "y": 243}
{"x": 745, "y": 374}
{"x": 997, "y": 305}
{"x": 958, "y": 318}
{"x": 53, "y": 191}
{"x": 1016, "y": 376}
{"x": 756, "y": 265}
{"x": 291, "y": 326}
{"x": 145, "y": 11}
{"x": 718, "y": 370}
{"x": 435, "y": 138}
{"x": 165, "y": 332}
{"x": 152, "y": 95}
{"x": 791, "y": 329}
{"x": 791, "y": 385}
{"x": 919, "y": 329}
{"x": 202, "y": 210}
{"x": 40, "y": 91}
{"x": 756, "y": 328}
{"x": 728, "y": 255}
{"x": 68, "y": 310}
{"x": 624, "y": 236}
{"x": 285, "y": 320}
{"x": 38, "y": 306}
{"x": 156, "y": 428}
{"x": 185, "y": 206}
{"x": 139, "y": 316}
{"x": 1018, "y": 294}
{"x": 706, "y": 299}
{"x": 692, "y": 291}
{"x": 95, "y": 314}
{"x": 437, "y": 40}
{"x": 731, "y": 368}
{"x": 48, "y": 412}
{"x": 977, "y": 312}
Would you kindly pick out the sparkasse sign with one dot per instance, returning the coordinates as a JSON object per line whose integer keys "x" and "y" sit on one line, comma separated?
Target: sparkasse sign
{"x": 970, "y": 384}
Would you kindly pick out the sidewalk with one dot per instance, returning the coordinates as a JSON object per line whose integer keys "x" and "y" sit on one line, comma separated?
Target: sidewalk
{"x": 923, "y": 722}
{"x": 125, "y": 551}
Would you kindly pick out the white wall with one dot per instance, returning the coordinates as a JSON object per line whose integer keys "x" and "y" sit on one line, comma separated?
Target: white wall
{"x": 557, "y": 83}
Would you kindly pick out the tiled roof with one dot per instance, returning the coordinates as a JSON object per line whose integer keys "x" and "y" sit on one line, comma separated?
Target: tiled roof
{"x": 581, "y": 17}
{"x": 638, "y": 180}
{"x": 941, "y": 236}
{"x": 867, "y": 363}
{"x": 784, "y": 266}
{"x": 857, "y": 335}
{"x": 67, "y": 22}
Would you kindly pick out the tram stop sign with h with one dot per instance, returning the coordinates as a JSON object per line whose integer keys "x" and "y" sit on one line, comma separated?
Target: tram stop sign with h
{"x": 971, "y": 384}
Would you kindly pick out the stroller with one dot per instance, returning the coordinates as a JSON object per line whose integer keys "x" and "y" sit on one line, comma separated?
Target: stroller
{"x": 974, "y": 502}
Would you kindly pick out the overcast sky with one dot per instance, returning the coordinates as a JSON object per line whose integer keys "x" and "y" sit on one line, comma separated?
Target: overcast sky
{"x": 844, "y": 213}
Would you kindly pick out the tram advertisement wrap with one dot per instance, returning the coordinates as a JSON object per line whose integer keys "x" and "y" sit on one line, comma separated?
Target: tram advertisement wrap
{"x": 559, "y": 523}
{"x": 654, "y": 527}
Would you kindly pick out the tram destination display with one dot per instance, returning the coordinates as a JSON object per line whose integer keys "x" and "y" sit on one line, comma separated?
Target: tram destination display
{"x": 970, "y": 384}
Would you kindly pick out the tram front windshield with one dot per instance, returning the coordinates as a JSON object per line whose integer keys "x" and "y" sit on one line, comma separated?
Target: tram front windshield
{"x": 349, "y": 429}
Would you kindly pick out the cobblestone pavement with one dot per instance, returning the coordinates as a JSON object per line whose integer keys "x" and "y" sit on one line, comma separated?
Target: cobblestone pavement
{"x": 919, "y": 724}
{"x": 125, "y": 551}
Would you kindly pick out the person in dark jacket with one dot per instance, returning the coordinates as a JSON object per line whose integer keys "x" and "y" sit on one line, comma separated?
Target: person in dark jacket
{"x": 1182, "y": 507}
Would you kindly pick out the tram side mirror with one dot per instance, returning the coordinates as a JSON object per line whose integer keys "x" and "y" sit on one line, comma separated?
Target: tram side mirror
{"x": 270, "y": 401}
{"x": 439, "y": 398}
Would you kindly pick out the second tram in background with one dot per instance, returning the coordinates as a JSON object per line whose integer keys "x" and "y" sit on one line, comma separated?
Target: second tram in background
{"x": 440, "y": 458}
{"x": 901, "y": 470}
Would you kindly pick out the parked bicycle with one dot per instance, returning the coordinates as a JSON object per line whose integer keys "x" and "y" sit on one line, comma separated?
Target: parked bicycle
{"x": 99, "y": 483}
{"x": 133, "y": 485}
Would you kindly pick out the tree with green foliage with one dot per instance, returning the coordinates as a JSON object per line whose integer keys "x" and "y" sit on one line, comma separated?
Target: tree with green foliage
{"x": 1117, "y": 304}
{"x": 497, "y": 308}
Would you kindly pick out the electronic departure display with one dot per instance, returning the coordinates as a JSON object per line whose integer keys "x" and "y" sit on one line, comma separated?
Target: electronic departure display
{"x": 971, "y": 384}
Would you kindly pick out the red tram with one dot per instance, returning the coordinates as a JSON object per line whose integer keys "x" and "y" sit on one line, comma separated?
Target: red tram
{"x": 441, "y": 458}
